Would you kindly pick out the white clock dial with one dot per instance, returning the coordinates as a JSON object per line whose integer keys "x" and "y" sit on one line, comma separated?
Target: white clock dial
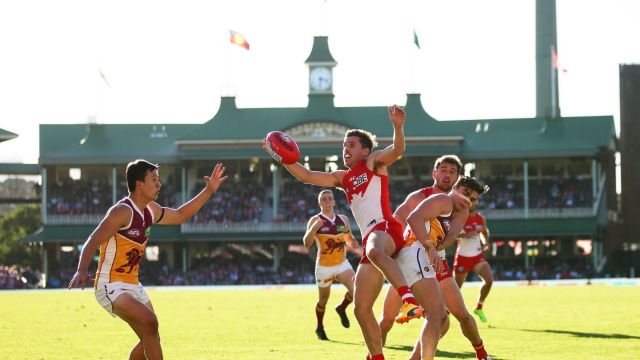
{"x": 320, "y": 78}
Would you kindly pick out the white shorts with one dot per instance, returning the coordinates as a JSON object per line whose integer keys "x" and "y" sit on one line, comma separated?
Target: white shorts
{"x": 326, "y": 274}
{"x": 414, "y": 264}
{"x": 109, "y": 292}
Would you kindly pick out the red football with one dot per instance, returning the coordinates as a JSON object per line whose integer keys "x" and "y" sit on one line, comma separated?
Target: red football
{"x": 282, "y": 147}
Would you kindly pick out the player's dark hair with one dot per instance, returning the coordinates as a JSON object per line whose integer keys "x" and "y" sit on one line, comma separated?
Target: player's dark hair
{"x": 367, "y": 139}
{"x": 449, "y": 159}
{"x": 137, "y": 170}
{"x": 472, "y": 183}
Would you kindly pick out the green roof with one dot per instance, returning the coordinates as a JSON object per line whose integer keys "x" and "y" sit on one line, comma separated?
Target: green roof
{"x": 109, "y": 144}
{"x": 6, "y": 135}
{"x": 320, "y": 53}
{"x": 19, "y": 169}
{"x": 236, "y": 133}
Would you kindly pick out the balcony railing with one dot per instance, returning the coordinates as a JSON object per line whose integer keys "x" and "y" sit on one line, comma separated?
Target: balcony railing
{"x": 94, "y": 219}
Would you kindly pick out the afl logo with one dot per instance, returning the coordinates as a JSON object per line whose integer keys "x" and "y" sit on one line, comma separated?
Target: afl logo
{"x": 133, "y": 232}
{"x": 286, "y": 141}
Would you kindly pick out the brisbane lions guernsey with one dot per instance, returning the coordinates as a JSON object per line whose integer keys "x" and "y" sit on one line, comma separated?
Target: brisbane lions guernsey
{"x": 331, "y": 241}
{"x": 368, "y": 195}
{"x": 469, "y": 247}
{"x": 120, "y": 256}
{"x": 437, "y": 228}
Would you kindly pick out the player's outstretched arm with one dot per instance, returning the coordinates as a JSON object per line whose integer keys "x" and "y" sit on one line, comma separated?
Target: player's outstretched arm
{"x": 320, "y": 178}
{"x": 117, "y": 217}
{"x": 169, "y": 216}
{"x": 313, "y": 225}
{"x": 391, "y": 153}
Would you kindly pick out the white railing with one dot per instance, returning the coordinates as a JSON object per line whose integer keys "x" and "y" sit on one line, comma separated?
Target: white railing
{"x": 244, "y": 227}
{"x": 298, "y": 227}
{"x": 539, "y": 213}
{"x": 73, "y": 219}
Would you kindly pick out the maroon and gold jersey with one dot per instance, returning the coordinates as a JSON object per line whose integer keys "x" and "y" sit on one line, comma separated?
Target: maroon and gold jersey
{"x": 120, "y": 256}
{"x": 331, "y": 241}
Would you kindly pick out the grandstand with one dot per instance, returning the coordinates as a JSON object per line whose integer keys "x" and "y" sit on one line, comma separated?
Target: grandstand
{"x": 552, "y": 178}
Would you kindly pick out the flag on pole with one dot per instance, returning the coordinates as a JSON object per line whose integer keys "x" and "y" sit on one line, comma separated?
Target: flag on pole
{"x": 415, "y": 39}
{"x": 104, "y": 78}
{"x": 555, "y": 63}
{"x": 238, "y": 39}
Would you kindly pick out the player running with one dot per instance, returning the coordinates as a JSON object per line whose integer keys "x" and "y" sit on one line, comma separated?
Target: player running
{"x": 472, "y": 242}
{"x": 332, "y": 234}
{"x": 122, "y": 237}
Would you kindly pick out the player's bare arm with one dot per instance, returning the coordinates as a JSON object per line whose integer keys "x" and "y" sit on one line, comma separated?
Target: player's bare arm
{"x": 352, "y": 243}
{"x": 410, "y": 202}
{"x": 459, "y": 217}
{"x": 117, "y": 217}
{"x": 320, "y": 178}
{"x": 380, "y": 159}
{"x": 169, "y": 216}
{"x": 485, "y": 232}
{"x": 313, "y": 225}
{"x": 429, "y": 209}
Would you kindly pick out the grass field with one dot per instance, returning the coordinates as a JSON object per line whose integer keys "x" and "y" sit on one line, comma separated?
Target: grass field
{"x": 553, "y": 322}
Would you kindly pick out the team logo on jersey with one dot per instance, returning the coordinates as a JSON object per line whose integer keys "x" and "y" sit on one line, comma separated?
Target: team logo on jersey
{"x": 133, "y": 259}
{"x": 134, "y": 233}
{"x": 324, "y": 228}
{"x": 360, "y": 180}
{"x": 446, "y": 225}
{"x": 461, "y": 269}
{"x": 340, "y": 228}
{"x": 333, "y": 245}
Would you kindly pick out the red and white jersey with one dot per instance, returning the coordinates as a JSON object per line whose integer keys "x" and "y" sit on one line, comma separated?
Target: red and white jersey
{"x": 469, "y": 247}
{"x": 120, "y": 256}
{"x": 368, "y": 195}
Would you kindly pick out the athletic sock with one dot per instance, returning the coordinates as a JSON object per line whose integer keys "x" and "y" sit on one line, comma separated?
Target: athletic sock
{"x": 377, "y": 357}
{"x": 346, "y": 301}
{"x": 481, "y": 353}
{"x": 320, "y": 315}
{"x": 406, "y": 295}
{"x": 479, "y": 306}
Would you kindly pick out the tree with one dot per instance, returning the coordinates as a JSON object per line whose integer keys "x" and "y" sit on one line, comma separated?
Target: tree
{"x": 14, "y": 227}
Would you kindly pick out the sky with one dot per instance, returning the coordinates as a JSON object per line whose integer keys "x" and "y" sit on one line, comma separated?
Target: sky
{"x": 170, "y": 61}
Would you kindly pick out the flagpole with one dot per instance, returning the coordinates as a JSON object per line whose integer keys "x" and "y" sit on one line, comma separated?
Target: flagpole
{"x": 553, "y": 84}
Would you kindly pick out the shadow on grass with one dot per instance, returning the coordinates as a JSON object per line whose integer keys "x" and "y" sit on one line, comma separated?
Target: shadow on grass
{"x": 581, "y": 334}
{"x": 346, "y": 342}
{"x": 439, "y": 353}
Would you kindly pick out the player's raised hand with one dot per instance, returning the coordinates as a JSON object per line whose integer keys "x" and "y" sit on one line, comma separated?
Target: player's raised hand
{"x": 217, "y": 178}
{"x": 397, "y": 115}
{"x": 79, "y": 279}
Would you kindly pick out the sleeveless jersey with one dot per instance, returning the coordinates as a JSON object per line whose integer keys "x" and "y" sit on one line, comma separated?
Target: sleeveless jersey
{"x": 368, "y": 195}
{"x": 331, "y": 241}
{"x": 120, "y": 256}
{"x": 472, "y": 246}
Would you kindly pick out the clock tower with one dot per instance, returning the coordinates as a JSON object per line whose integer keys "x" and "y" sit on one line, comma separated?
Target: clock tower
{"x": 321, "y": 64}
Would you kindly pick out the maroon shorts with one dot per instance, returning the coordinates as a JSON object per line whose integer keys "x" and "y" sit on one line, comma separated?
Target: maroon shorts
{"x": 445, "y": 273}
{"x": 391, "y": 227}
{"x": 463, "y": 264}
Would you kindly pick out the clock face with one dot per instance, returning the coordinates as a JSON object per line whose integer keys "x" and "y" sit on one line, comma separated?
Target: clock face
{"x": 320, "y": 79}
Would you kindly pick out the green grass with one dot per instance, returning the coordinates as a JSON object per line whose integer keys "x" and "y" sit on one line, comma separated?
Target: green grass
{"x": 577, "y": 322}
